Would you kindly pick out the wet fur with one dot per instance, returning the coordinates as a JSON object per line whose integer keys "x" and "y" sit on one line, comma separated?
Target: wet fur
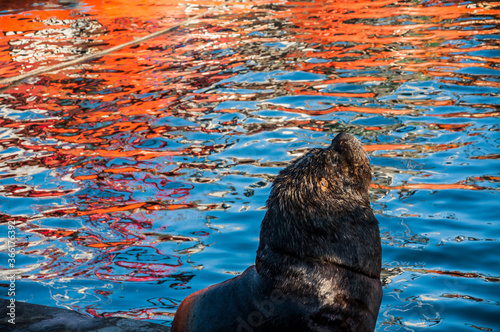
{"x": 319, "y": 257}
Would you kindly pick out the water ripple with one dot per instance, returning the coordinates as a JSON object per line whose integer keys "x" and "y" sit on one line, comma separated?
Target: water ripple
{"x": 146, "y": 171}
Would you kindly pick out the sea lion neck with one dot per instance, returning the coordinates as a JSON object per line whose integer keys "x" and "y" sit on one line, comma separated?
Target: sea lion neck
{"x": 321, "y": 239}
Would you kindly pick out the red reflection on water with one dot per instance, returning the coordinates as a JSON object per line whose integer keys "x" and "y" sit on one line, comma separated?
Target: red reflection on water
{"x": 54, "y": 232}
{"x": 25, "y": 191}
{"x": 124, "y": 128}
{"x": 135, "y": 271}
{"x": 461, "y": 274}
{"x": 150, "y": 313}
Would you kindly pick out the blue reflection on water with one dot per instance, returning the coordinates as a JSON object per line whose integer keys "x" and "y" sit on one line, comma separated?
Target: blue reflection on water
{"x": 140, "y": 178}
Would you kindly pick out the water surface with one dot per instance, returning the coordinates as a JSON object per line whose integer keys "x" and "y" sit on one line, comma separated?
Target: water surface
{"x": 140, "y": 177}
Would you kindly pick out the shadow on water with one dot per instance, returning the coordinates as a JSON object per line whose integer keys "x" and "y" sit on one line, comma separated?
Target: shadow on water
{"x": 140, "y": 177}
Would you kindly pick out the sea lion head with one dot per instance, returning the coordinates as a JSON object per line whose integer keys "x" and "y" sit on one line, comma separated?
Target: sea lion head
{"x": 319, "y": 209}
{"x": 339, "y": 172}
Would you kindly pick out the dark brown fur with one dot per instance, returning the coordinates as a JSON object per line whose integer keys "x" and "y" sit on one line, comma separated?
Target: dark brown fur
{"x": 319, "y": 258}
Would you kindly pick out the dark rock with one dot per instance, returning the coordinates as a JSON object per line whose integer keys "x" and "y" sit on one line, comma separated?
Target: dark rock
{"x": 40, "y": 318}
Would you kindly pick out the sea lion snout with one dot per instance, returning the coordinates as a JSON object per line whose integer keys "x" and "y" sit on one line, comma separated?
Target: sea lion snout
{"x": 350, "y": 148}
{"x": 352, "y": 162}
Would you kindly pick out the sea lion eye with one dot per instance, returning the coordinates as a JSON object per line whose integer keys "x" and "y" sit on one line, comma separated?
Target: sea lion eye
{"x": 324, "y": 184}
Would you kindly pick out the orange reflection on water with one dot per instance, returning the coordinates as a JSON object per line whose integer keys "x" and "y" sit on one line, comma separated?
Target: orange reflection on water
{"x": 128, "y": 140}
{"x": 421, "y": 26}
{"x": 428, "y": 186}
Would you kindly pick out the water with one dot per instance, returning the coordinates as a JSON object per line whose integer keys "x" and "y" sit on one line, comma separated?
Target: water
{"x": 140, "y": 177}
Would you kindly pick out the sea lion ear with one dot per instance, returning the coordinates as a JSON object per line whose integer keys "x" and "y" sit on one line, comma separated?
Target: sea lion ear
{"x": 323, "y": 184}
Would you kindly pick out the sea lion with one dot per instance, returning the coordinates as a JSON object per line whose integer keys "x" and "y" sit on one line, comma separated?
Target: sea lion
{"x": 319, "y": 258}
